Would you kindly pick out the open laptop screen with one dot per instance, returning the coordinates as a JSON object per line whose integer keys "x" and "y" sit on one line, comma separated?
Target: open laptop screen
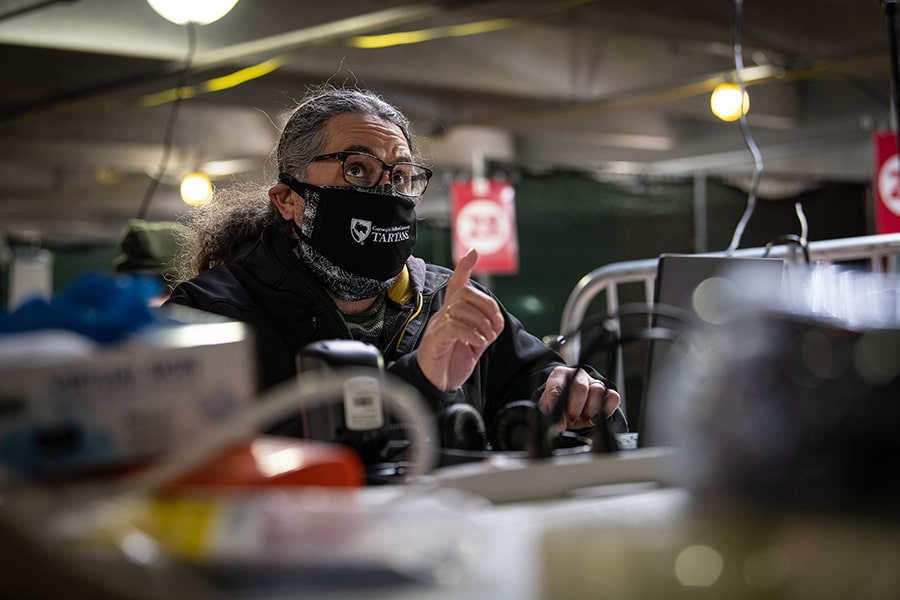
{"x": 711, "y": 288}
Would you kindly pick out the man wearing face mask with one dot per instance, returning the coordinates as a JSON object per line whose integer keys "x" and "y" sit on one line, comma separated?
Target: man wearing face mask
{"x": 326, "y": 253}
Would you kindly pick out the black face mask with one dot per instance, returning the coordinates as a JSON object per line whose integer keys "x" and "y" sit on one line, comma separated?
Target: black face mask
{"x": 369, "y": 234}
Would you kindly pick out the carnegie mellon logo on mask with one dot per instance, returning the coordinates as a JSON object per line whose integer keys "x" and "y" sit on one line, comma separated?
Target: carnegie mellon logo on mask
{"x": 362, "y": 230}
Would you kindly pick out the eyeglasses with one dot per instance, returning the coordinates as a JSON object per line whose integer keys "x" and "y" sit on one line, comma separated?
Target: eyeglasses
{"x": 365, "y": 171}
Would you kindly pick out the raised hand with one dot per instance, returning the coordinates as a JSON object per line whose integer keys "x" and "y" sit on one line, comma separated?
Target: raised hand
{"x": 458, "y": 334}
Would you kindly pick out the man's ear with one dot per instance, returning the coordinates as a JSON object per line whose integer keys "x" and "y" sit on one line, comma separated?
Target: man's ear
{"x": 281, "y": 196}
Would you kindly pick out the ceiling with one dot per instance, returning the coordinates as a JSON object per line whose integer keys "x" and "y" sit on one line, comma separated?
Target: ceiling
{"x": 615, "y": 88}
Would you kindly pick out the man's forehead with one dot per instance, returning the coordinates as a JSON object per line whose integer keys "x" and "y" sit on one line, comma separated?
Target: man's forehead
{"x": 354, "y": 131}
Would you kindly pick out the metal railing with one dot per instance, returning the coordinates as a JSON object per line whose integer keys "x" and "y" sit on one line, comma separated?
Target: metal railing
{"x": 881, "y": 251}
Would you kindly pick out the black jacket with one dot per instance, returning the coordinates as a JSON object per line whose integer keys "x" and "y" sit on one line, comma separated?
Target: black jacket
{"x": 271, "y": 290}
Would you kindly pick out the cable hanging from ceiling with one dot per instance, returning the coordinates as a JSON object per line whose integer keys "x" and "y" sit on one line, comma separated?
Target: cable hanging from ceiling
{"x": 745, "y": 129}
{"x": 743, "y": 105}
{"x": 169, "y": 135}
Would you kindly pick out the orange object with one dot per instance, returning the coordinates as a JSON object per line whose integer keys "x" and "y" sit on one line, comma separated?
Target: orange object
{"x": 276, "y": 461}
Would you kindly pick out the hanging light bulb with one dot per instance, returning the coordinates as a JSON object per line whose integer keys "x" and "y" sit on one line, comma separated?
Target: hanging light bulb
{"x": 726, "y": 102}
{"x": 201, "y": 12}
{"x": 196, "y": 189}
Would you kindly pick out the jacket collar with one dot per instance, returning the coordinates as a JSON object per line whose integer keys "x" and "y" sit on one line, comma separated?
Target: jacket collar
{"x": 410, "y": 281}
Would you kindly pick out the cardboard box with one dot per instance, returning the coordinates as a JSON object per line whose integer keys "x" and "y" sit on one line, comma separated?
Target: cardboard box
{"x": 124, "y": 404}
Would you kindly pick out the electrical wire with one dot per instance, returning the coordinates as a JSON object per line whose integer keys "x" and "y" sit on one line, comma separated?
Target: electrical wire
{"x": 745, "y": 131}
{"x": 608, "y": 325}
{"x": 609, "y": 341}
{"x": 316, "y": 389}
{"x": 798, "y": 240}
{"x": 170, "y": 125}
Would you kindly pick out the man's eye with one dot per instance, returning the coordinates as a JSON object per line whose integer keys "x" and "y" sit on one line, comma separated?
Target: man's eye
{"x": 400, "y": 175}
{"x": 355, "y": 171}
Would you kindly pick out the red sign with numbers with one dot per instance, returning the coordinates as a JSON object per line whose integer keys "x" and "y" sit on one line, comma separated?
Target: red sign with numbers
{"x": 887, "y": 183}
{"x": 484, "y": 218}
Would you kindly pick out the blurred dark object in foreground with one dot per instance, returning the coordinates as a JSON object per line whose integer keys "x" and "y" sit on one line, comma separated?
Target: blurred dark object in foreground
{"x": 788, "y": 413}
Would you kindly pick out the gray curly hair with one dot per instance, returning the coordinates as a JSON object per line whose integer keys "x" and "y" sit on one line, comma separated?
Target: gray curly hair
{"x": 235, "y": 216}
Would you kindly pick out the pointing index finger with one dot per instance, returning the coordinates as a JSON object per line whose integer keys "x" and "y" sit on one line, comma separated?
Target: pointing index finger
{"x": 463, "y": 272}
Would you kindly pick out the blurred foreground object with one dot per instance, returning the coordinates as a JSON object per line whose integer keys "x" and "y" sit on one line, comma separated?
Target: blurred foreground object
{"x": 786, "y": 418}
{"x": 273, "y": 461}
{"x": 738, "y": 558}
{"x": 94, "y": 380}
{"x": 95, "y": 306}
{"x": 789, "y": 413}
{"x": 793, "y": 406}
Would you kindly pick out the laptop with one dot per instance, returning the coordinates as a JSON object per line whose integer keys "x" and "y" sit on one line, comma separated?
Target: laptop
{"x": 708, "y": 288}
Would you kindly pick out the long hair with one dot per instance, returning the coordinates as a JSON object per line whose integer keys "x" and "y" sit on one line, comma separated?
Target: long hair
{"x": 235, "y": 216}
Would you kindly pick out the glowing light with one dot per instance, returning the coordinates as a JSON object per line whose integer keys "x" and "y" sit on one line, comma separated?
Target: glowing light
{"x": 714, "y": 300}
{"x": 532, "y": 304}
{"x": 201, "y": 12}
{"x": 139, "y": 548}
{"x": 272, "y": 462}
{"x": 196, "y": 189}
{"x": 698, "y": 566}
{"x": 726, "y": 104}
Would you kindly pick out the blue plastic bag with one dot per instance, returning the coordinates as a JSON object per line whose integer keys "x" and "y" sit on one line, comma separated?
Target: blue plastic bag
{"x": 104, "y": 308}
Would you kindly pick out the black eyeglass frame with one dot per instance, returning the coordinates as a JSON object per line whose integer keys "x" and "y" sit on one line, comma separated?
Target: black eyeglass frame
{"x": 344, "y": 154}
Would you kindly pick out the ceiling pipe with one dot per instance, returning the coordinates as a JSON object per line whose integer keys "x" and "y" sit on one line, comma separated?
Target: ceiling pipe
{"x": 315, "y": 35}
{"x": 241, "y": 53}
{"x": 18, "y": 12}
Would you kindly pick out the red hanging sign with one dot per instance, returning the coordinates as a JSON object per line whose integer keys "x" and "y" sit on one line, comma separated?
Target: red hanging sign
{"x": 484, "y": 218}
{"x": 887, "y": 183}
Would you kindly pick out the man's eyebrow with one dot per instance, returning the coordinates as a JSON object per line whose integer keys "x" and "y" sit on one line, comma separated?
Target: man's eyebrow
{"x": 358, "y": 148}
{"x": 367, "y": 150}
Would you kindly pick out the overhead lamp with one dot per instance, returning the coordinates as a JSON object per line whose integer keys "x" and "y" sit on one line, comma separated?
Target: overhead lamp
{"x": 200, "y": 12}
{"x": 196, "y": 189}
{"x": 727, "y": 103}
